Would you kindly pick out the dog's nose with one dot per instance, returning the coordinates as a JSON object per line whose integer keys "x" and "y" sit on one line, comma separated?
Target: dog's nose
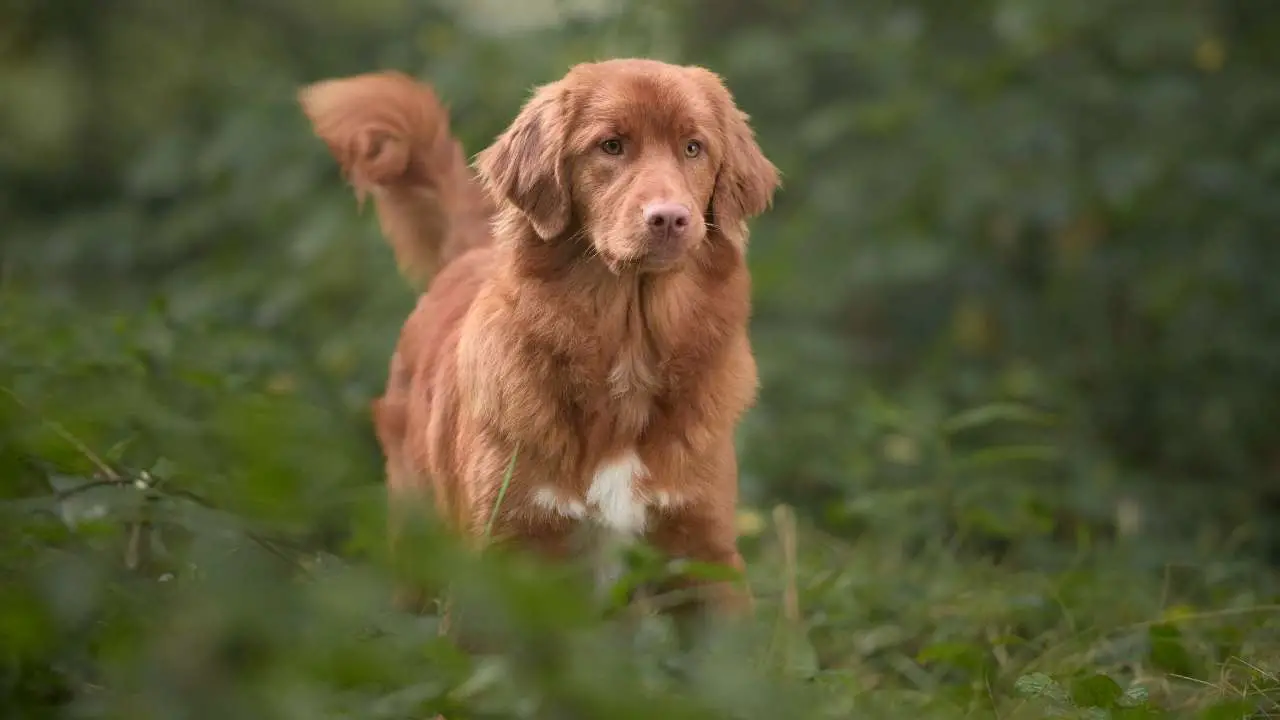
{"x": 667, "y": 219}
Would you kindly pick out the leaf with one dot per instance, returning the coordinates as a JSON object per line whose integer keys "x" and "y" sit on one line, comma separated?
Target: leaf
{"x": 83, "y": 500}
{"x": 407, "y": 700}
{"x": 1098, "y": 691}
{"x": 202, "y": 520}
{"x": 1040, "y": 686}
{"x": 710, "y": 572}
{"x": 1142, "y": 712}
{"x": 1007, "y": 454}
{"x": 487, "y": 673}
{"x": 23, "y": 506}
{"x": 800, "y": 658}
{"x": 749, "y": 522}
{"x": 1167, "y": 651}
{"x": 968, "y": 656}
{"x": 1229, "y": 710}
{"x": 993, "y": 413}
{"x": 1135, "y": 696}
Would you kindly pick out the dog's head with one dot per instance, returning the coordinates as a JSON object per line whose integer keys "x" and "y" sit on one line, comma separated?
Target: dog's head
{"x": 637, "y": 157}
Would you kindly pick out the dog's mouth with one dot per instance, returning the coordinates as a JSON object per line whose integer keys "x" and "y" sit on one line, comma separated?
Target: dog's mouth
{"x": 654, "y": 264}
{"x": 651, "y": 263}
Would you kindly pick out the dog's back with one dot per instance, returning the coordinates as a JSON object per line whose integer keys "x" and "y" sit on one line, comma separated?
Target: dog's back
{"x": 390, "y": 134}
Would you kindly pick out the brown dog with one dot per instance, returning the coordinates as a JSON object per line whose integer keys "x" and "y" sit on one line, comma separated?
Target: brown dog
{"x": 588, "y": 310}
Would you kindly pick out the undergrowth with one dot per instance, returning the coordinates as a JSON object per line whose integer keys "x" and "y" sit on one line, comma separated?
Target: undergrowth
{"x": 180, "y": 543}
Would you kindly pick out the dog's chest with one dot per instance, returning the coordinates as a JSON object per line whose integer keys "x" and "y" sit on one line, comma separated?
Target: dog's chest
{"x": 614, "y": 511}
{"x": 633, "y": 383}
{"x": 618, "y": 498}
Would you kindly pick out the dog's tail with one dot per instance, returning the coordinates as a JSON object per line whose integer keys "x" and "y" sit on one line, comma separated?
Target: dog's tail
{"x": 390, "y": 134}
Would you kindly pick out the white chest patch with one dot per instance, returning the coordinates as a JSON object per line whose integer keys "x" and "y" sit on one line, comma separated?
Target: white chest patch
{"x": 617, "y": 509}
{"x": 549, "y": 499}
{"x": 613, "y": 499}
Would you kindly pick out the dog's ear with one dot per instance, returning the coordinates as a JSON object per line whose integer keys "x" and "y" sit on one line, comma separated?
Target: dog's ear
{"x": 745, "y": 180}
{"x": 526, "y": 165}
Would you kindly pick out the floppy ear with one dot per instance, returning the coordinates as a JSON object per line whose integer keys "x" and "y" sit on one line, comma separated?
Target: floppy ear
{"x": 526, "y": 164}
{"x": 747, "y": 180}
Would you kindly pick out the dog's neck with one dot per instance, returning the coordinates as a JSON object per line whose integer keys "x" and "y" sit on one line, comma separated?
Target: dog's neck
{"x": 640, "y": 325}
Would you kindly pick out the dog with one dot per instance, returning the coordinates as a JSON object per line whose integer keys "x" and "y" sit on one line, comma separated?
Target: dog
{"x": 582, "y": 347}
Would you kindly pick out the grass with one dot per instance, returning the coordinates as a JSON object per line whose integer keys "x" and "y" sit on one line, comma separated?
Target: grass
{"x": 869, "y": 628}
{"x": 502, "y": 492}
{"x": 159, "y": 568}
{"x": 954, "y": 636}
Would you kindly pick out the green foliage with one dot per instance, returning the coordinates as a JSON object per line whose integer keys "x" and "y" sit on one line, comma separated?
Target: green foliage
{"x": 1092, "y": 697}
{"x": 1014, "y": 317}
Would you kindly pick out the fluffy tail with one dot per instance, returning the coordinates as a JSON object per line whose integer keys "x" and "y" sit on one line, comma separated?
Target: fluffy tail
{"x": 391, "y": 136}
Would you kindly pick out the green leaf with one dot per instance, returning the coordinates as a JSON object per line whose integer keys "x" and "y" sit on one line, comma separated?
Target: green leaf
{"x": 709, "y": 572}
{"x": 1167, "y": 651}
{"x": 994, "y": 413}
{"x": 968, "y": 656}
{"x": 1007, "y": 454}
{"x": 1135, "y": 696}
{"x": 1098, "y": 691}
{"x": 1143, "y": 712}
{"x": 22, "y": 506}
{"x": 82, "y": 500}
{"x": 1040, "y": 686}
{"x": 1229, "y": 710}
{"x": 800, "y": 658}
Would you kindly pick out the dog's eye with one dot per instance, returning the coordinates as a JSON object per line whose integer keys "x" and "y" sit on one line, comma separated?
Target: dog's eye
{"x": 612, "y": 146}
{"x": 693, "y": 149}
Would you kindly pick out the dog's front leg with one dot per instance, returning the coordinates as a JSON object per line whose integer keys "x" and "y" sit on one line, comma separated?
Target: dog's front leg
{"x": 703, "y": 534}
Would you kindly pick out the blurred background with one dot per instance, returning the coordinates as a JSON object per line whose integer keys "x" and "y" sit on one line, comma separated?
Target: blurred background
{"x": 1017, "y": 452}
